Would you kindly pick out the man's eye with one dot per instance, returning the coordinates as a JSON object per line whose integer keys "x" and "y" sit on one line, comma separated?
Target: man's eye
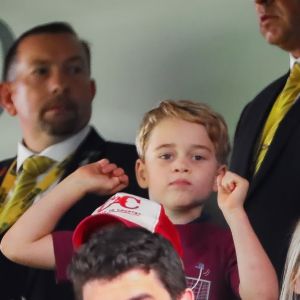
{"x": 40, "y": 71}
{"x": 75, "y": 69}
{"x": 166, "y": 156}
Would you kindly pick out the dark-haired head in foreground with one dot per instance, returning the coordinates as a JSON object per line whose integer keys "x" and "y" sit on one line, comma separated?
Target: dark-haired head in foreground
{"x": 120, "y": 263}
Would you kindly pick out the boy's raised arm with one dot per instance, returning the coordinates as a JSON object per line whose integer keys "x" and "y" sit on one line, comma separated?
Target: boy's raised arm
{"x": 29, "y": 240}
{"x": 258, "y": 278}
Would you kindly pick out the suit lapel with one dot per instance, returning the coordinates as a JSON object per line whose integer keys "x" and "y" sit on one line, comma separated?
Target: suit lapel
{"x": 4, "y": 167}
{"x": 250, "y": 126}
{"x": 282, "y": 135}
{"x": 252, "y": 133}
{"x": 90, "y": 150}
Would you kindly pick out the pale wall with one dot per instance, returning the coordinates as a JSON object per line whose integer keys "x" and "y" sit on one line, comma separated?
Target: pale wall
{"x": 148, "y": 50}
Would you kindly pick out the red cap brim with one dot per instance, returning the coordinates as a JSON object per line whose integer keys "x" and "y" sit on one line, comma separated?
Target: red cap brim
{"x": 93, "y": 223}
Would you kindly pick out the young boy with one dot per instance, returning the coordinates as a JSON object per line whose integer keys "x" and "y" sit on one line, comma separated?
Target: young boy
{"x": 183, "y": 146}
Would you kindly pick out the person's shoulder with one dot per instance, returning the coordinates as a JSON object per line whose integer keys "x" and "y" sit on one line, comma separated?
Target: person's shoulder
{"x": 95, "y": 144}
{"x": 274, "y": 87}
{"x": 4, "y": 164}
{"x": 6, "y": 161}
{"x": 109, "y": 144}
{"x": 263, "y": 100}
{"x": 121, "y": 146}
{"x": 4, "y": 167}
{"x": 121, "y": 153}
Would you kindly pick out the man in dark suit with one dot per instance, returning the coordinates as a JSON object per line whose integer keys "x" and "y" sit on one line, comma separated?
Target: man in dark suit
{"x": 267, "y": 143}
{"x": 47, "y": 85}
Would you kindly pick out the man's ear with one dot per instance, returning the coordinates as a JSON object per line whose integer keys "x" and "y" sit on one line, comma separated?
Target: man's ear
{"x": 141, "y": 173}
{"x": 6, "y": 101}
{"x": 187, "y": 295}
{"x": 220, "y": 171}
{"x": 93, "y": 88}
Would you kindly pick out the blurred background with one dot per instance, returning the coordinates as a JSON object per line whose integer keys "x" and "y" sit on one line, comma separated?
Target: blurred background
{"x": 144, "y": 51}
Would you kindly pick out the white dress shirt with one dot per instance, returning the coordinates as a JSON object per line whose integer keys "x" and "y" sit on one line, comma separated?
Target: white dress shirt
{"x": 57, "y": 152}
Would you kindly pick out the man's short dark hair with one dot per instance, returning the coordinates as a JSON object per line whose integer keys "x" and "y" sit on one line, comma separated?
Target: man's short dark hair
{"x": 118, "y": 249}
{"x": 52, "y": 28}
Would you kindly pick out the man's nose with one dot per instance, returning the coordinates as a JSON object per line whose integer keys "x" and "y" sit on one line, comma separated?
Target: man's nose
{"x": 58, "y": 82}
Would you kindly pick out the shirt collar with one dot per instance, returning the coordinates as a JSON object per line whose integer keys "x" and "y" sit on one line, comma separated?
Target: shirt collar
{"x": 57, "y": 152}
{"x": 203, "y": 218}
{"x": 293, "y": 60}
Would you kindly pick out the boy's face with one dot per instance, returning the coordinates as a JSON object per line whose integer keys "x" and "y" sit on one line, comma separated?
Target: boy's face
{"x": 180, "y": 166}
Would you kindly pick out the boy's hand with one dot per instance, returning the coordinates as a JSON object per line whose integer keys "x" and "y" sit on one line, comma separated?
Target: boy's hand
{"x": 101, "y": 177}
{"x": 232, "y": 191}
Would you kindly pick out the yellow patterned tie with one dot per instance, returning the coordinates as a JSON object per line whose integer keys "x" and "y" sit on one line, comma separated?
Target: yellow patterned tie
{"x": 281, "y": 106}
{"x": 24, "y": 192}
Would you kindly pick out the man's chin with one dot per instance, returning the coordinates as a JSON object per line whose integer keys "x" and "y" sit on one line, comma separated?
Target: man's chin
{"x": 186, "y": 203}
{"x": 275, "y": 37}
{"x": 61, "y": 128}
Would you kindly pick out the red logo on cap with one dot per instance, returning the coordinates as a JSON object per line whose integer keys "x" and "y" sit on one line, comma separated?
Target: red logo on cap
{"x": 124, "y": 201}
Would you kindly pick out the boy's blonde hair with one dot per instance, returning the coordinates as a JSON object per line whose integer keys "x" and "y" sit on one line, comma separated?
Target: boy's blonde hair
{"x": 291, "y": 266}
{"x": 190, "y": 111}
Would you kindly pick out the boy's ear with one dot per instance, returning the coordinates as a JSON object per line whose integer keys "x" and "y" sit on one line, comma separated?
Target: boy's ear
{"x": 187, "y": 295}
{"x": 141, "y": 174}
{"x": 220, "y": 171}
{"x": 6, "y": 101}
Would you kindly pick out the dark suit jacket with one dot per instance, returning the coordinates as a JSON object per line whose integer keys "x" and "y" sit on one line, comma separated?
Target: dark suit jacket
{"x": 33, "y": 284}
{"x": 273, "y": 203}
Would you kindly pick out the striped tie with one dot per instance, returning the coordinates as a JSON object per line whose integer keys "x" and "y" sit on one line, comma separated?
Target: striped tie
{"x": 24, "y": 193}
